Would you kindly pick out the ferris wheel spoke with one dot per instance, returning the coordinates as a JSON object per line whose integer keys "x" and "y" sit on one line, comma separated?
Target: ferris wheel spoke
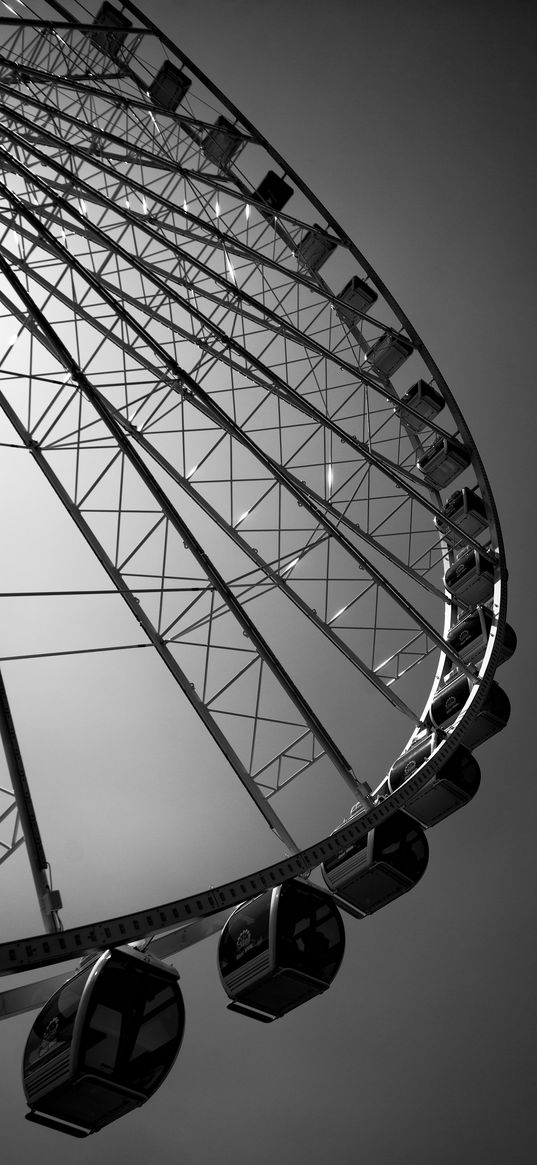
{"x": 218, "y": 239}
{"x": 428, "y": 629}
{"x": 11, "y": 835}
{"x": 311, "y": 411}
{"x": 313, "y": 729}
{"x": 229, "y": 430}
{"x": 317, "y": 514}
{"x": 383, "y": 389}
{"x": 375, "y": 458}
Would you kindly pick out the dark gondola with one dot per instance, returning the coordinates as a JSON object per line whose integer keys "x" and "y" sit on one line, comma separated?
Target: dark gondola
{"x": 425, "y": 400}
{"x": 466, "y": 508}
{"x": 110, "y": 29}
{"x": 274, "y": 191}
{"x": 222, "y": 143}
{"x": 169, "y": 86}
{"x": 452, "y": 787}
{"x": 314, "y": 248}
{"x": 280, "y": 950}
{"x": 358, "y": 297}
{"x": 379, "y": 867}
{"x": 103, "y": 1043}
{"x": 444, "y": 461}
{"x": 469, "y": 637}
{"x": 389, "y": 352}
{"x": 491, "y": 718}
{"x": 470, "y": 578}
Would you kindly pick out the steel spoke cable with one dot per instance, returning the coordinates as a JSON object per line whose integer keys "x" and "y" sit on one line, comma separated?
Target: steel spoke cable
{"x": 341, "y": 645}
{"x": 267, "y": 655}
{"x": 376, "y": 459}
{"x": 235, "y": 291}
{"x": 398, "y": 474}
{"x": 232, "y": 317}
{"x": 302, "y": 494}
{"x": 132, "y": 601}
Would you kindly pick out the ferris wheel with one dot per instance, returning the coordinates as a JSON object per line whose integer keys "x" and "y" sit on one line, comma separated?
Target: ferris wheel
{"x": 269, "y": 467}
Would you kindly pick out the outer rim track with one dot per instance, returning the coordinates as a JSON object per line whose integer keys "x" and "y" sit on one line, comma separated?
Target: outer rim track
{"x": 48, "y": 949}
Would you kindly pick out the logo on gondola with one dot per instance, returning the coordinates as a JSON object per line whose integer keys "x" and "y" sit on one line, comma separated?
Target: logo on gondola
{"x": 244, "y": 940}
{"x": 451, "y": 703}
{"x": 409, "y": 767}
{"x": 50, "y": 1036}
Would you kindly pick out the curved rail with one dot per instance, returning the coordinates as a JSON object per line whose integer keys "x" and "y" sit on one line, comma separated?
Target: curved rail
{"x": 46, "y": 950}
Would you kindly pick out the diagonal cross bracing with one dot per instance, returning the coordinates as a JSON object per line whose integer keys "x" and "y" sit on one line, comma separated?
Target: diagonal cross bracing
{"x": 303, "y": 719}
{"x": 305, "y": 497}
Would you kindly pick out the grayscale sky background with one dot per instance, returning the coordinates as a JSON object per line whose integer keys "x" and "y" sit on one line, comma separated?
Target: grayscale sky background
{"x": 415, "y": 124}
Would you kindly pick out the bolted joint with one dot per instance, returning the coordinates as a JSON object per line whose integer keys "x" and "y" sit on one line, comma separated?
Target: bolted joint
{"x": 52, "y": 901}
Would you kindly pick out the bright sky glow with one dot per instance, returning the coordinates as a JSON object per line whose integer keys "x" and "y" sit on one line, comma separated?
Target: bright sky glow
{"x": 12, "y": 341}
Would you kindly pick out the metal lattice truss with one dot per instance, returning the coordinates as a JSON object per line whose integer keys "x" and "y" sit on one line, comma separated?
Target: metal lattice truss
{"x": 11, "y": 836}
{"x": 202, "y": 401}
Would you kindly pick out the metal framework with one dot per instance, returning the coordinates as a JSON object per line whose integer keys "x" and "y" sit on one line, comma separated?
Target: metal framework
{"x": 216, "y": 417}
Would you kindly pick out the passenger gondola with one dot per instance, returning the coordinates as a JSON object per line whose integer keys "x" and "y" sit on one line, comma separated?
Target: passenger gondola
{"x": 389, "y": 352}
{"x": 358, "y": 298}
{"x": 280, "y": 950}
{"x": 469, "y": 637}
{"x": 274, "y": 191}
{"x": 444, "y": 461}
{"x": 446, "y": 791}
{"x": 110, "y": 29}
{"x": 492, "y": 716}
{"x": 379, "y": 867}
{"x": 470, "y": 578}
{"x": 466, "y": 509}
{"x": 425, "y": 400}
{"x": 103, "y": 1043}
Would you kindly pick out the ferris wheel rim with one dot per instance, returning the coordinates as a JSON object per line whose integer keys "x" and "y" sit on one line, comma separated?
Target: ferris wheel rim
{"x": 446, "y": 746}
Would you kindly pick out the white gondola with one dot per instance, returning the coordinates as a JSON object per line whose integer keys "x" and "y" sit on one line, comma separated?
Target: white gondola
{"x": 222, "y": 143}
{"x": 110, "y": 29}
{"x": 274, "y": 191}
{"x": 314, "y": 249}
{"x": 103, "y": 1043}
{"x": 466, "y": 508}
{"x": 444, "y": 461}
{"x": 358, "y": 298}
{"x": 389, "y": 352}
{"x": 453, "y": 786}
{"x": 279, "y": 950}
{"x": 169, "y": 87}
{"x": 470, "y": 578}
{"x": 425, "y": 399}
{"x": 380, "y": 867}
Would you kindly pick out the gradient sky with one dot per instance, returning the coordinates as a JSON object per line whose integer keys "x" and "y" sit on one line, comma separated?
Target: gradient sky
{"x": 415, "y": 125}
